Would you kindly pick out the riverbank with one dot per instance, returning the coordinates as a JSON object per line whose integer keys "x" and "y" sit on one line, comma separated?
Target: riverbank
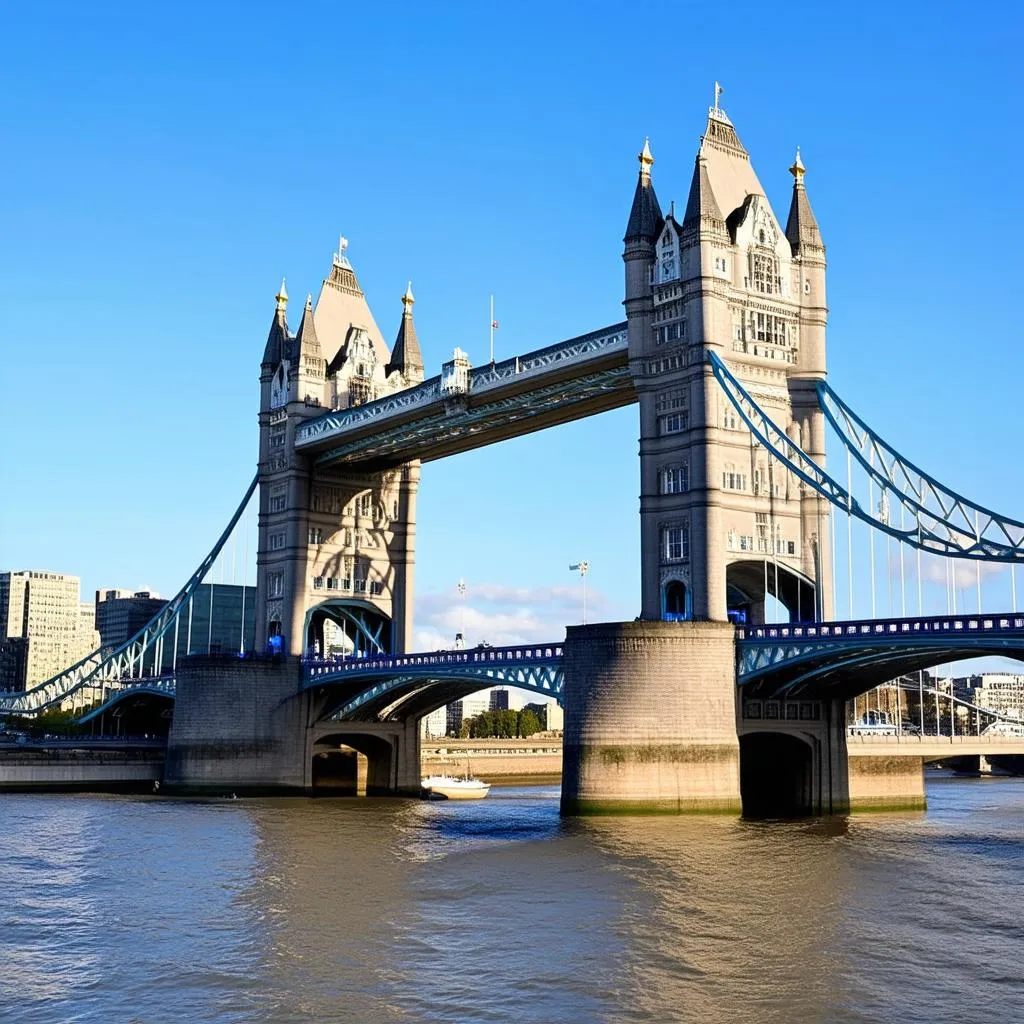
{"x": 505, "y": 762}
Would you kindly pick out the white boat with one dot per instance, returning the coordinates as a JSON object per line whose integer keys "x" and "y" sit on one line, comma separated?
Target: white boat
{"x": 452, "y": 787}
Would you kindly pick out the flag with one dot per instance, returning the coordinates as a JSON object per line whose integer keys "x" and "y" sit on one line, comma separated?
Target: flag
{"x": 494, "y": 325}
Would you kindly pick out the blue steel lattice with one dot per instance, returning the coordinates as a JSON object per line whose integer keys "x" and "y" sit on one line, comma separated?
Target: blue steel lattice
{"x": 106, "y": 669}
{"x": 931, "y": 516}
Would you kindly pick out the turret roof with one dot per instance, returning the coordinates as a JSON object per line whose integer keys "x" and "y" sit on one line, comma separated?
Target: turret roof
{"x": 801, "y": 226}
{"x": 645, "y": 219}
{"x": 406, "y": 356}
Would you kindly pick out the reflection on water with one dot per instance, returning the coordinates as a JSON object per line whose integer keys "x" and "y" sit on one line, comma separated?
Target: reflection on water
{"x": 150, "y": 910}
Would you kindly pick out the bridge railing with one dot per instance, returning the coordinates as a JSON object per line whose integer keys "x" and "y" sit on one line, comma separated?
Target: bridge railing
{"x": 956, "y": 624}
{"x": 314, "y": 667}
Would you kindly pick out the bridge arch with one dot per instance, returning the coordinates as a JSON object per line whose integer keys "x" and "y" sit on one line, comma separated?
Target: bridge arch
{"x": 777, "y": 774}
{"x": 335, "y": 764}
{"x": 363, "y": 630}
{"x": 750, "y": 581}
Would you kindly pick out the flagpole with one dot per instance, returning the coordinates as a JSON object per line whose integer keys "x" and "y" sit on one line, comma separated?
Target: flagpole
{"x": 492, "y": 330}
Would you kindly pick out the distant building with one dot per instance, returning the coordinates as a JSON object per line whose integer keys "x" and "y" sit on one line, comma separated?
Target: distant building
{"x": 41, "y": 612}
{"x": 120, "y": 614}
{"x": 498, "y": 700}
{"x": 453, "y": 718}
{"x": 435, "y": 724}
{"x": 1000, "y": 691}
{"x": 233, "y": 610}
{"x": 549, "y": 715}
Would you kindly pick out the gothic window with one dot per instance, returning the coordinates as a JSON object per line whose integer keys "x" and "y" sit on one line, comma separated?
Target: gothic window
{"x": 677, "y": 543}
{"x": 277, "y": 436}
{"x": 347, "y": 579}
{"x": 732, "y": 479}
{"x": 729, "y": 421}
{"x": 364, "y": 504}
{"x": 278, "y": 499}
{"x": 675, "y": 422}
{"x": 275, "y": 584}
{"x": 766, "y": 273}
{"x": 675, "y": 479}
{"x": 277, "y": 541}
{"x": 316, "y": 535}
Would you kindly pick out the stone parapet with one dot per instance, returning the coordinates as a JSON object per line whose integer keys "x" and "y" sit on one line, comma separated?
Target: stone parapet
{"x": 650, "y": 719}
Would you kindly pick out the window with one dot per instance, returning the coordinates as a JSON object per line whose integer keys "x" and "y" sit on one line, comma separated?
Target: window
{"x": 729, "y": 419}
{"x": 364, "y": 504}
{"x": 746, "y": 543}
{"x": 278, "y": 500}
{"x": 672, "y": 332}
{"x": 675, "y": 479}
{"x": 791, "y": 547}
{"x": 318, "y": 582}
{"x": 275, "y": 584}
{"x": 733, "y": 480}
{"x": 277, "y": 436}
{"x": 677, "y": 543}
{"x": 765, "y": 270}
{"x": 376, "y": 587}
{"x": 316, "y": 535}
{"x": 332, "y": 582}
{"x": 807, "y": 286}
{"x": 277, "y": 541}
{"x": 675, "y": 422}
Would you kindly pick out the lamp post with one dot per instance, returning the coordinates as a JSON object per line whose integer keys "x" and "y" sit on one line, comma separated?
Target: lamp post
{"x": 582, "y": 568}
{"x": 461, "y": 588}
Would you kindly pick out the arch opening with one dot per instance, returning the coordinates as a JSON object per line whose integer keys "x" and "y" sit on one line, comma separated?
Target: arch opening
{"x": 675, "y": 601}
{"x": 352, "y": 764}
{"x": 776, "y": 776}
{"x": 347, "y": 629}
{"x": 757, "y": 591}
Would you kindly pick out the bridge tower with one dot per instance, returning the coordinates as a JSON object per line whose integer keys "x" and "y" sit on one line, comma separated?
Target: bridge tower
{"x": 722, "y": 525}
{"x": 336, "y": 549}
{"x": 652, "y": 712}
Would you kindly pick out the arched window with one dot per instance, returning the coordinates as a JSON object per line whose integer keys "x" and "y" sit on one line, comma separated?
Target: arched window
{"x": 674, "y": 599}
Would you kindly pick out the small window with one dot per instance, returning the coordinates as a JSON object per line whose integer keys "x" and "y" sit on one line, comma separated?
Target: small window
{"x": 316, "y": 535}
{"x": 677, "y": 543}
{"x": 277, "y": 541}
{"x": 318, "y": 582}
{"x": 675, "y": 479}
{"x": 675, "y": 422}
{"x": 275, "y": 584}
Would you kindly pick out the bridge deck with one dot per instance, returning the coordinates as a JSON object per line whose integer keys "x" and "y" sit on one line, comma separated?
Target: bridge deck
{"x": 567, "y": 381}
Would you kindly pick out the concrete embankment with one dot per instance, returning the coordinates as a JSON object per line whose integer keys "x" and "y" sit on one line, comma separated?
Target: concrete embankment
{"x": 508, "y": 762}
{"x": 68, "y": 768}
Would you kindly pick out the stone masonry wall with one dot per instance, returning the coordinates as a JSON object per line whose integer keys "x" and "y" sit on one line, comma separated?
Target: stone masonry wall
{"x": 650, "y": 719}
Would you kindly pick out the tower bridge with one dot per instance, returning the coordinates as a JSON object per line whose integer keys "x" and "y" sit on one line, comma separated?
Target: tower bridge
{"x": 700, "y": 702}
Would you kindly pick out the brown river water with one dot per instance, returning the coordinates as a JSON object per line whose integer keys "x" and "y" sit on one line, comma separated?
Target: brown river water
{"x": 137, "y": 909}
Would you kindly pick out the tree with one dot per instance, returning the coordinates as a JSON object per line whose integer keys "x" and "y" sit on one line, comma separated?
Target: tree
{"x": 528, "y": 723}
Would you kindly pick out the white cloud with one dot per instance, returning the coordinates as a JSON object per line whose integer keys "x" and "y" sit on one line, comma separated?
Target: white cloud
{"x": 502, "y": 615}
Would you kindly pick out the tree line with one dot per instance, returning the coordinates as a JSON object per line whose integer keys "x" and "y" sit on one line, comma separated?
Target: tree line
{"x": 507, "y": 724}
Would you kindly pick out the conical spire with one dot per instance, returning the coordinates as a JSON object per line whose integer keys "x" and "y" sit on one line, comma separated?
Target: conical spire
{"x": 277, "y": 339}
{"x": 701, "y": 205}
{"x": 801, "y": 227}
{"x": 306, "y": 342}
{"x": 645, "y": 219}
{"x": 406, "y": 356}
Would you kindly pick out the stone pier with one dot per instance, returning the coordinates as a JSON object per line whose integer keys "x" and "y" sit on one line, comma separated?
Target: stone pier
{"x": 650, "y": 719}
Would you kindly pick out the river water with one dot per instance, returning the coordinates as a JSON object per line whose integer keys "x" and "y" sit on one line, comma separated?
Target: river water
{"x": 149, "y": 910}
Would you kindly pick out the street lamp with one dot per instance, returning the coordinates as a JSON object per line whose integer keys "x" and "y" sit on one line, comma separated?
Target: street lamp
{"x": 461, "y": 588}
{"x": 582, "y": 568}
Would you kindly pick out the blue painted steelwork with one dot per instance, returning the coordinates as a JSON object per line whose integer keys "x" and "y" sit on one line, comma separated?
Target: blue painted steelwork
{"x": 392, "y": 679}
{"x": 573, "y": 378}
{"x": 369, "y": 624}
{"x": 790, "y": 658}
{"x": 105, "y": 669}
{"x": 932, "y": 517}
{"x": 165, "y": 686}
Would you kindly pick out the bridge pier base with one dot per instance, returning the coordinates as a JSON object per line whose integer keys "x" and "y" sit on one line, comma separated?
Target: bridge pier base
{"x": 240, "y": 725}
{"x": 650, "y": 719}
{"x": 885, "y": 782}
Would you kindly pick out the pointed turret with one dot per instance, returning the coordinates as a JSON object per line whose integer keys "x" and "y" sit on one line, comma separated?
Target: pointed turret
{"x": 801, "y": 227}
{"x": 277, "y": 339}
{"x": 406, "y": 357}
{"x": 307, "y": 344}
{"x": 701, "y": 206}
{"x": 645, "y": 219}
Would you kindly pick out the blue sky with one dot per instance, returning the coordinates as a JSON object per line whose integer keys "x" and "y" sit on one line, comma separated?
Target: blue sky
{"x": 167, "y": 164}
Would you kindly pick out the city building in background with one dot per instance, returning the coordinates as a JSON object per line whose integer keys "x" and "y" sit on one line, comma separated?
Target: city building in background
{"x": 498, "y": 700}
{"x": 435, "y": 724}
{"x": 221, "y": 620}
{"x": 1001, "y": 691}
{"x": 120, "y": 614}
{"x": 44, "y": 626}
{"x": 453, "y": 718}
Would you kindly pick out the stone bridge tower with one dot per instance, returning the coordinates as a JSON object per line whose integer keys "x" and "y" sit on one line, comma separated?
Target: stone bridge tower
{"x": 722, "y": 523}
{"x": 336, "y": 548}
